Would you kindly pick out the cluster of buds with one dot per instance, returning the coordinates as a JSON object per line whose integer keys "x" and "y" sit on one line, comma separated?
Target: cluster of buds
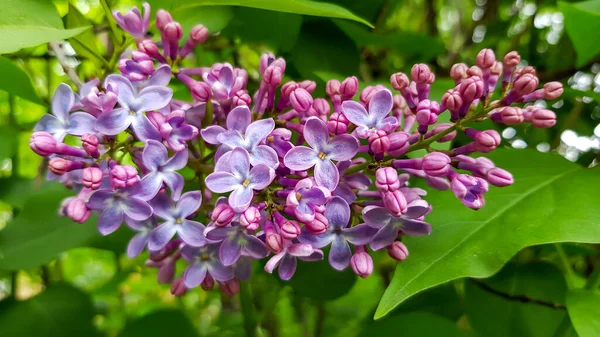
{"x": 279, "y": 178}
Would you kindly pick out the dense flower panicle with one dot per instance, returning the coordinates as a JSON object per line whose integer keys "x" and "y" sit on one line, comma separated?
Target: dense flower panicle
{"x": 277, "y": 172}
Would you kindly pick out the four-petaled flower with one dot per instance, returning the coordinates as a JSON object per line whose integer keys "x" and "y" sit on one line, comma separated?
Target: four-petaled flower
{"x": 204, "y": 261}
{"x": 161, "y": 170}
{"x": 235, "y": 241}
{"x": 306, "y": 198}
{"x": 340, "y": 147}
{"x": 376, "y": 119}
{"x": 226, "y": 83}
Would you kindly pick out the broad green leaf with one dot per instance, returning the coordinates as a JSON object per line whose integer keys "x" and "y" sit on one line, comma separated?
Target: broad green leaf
{"x": 38, "y": 234}
{"x": 15, "y": 191}
{"x": 15, "y": 81}
{"x": 416, "y": 324}
{"x": 60, "y": 311}
{"x": 304, "y": 7}
{"x": 442, "y": 300}
{"x": 584, "y": 309}
{"x": 544, "y": 205}
{"x": 582, "y": 22}
{"x": 164, "y": 322}
{"x": 8, "y": 145}
{"x": 317, "y": 280}
{"x": 492, "y": 315}
{"x": 28, "y": 23}
{"x": 85, "y": 43}
{"x": 215, "y": 19}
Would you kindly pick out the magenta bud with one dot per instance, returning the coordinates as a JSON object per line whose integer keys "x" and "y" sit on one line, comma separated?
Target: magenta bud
{"x": 242, "y": 98}
{"x": 386, "y": 179}
{"x": 123, "y": 176}
{"x": 398, "y": 143}
{"x": 487, "y": 141}
{"x": 395, "y": 202}
{"x": 499, "y": 177}
{"x": 440, "y": 128}
{"x": 553, "y": 90}
{"x": 178, "y": 288}
{"x": 486, "y": 58}
{"x": 301, "y": 100}
{"x": 308, "y": 85}
{"x": 511, "y": 115}
{"x": 349, "y": 87}
{"x": 199, "y": 34}
{"x": 525, "y": 84}
{"x": 333, "y": 88}
{"x": 222, "y": 215}
{"x": 458, "y": 72}
{"x": 420, "y": 73}
{"x": 208, "y": 283}
{"x": 511, "y": 60}
{"x": 60, "y": 166}
{"x": 290, "y": 230}
{"x": 338, "y": 123}
{"x": 474, "y": 71}
{"x": 436, "y": 164}
{"x": 399, "y": 81}
{"x": 230, "y": 287}
{"x": 77, "y": 210}
{"x": 91, "y": 177}
{"x": 543, "y": 118}
{"x": 42, "y": 143}
{"x": 318, "y": 225}
{"x": 166, "y": 271}
{"x": 274, "y": 242}
{"x": 471, "y": 88}
{"x": 265, "y": 60}
{"x": 200, "y": 91}
{"x": 250, "y": 218}
{"x": 452, "y": 100}
{"x": 321, "y": 106}
{"x": 362, "y": 264}
{"x": 397, "y": 251}
{"x": 273, "y": 76}
{"x": 379, "y": 142}
{"x": 173, "y": 31}
{"x": 162, "y": 19}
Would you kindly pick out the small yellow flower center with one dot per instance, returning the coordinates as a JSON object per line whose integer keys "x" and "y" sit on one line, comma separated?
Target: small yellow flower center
{"x": 131, "y": 112}
{"x": 178, "y": 221}
{"x": 204, "y": 257}
{"x": 270, "y": 139}
{"x": 298, "y": 196}
{"x": 246, "y": 183}
{"x": 117, "y": 196}
{"x": 322, "y": 155}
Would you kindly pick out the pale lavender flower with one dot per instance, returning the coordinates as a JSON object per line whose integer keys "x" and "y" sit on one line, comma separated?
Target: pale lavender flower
{"x": 238, "y": 119}
{"x": 133, "y": 106}
{"x": 306, "y": 198}
{"x": 338, "y": 234}
{"x": 162, "y": 170}
{"x": 176, "y": 216}
{"x": 286, "y": 259}
{"x": 240, "y": 180}
{"x": 140, "y": 239}
{"x": 235, "y": 240}
{"x": 469, "y": 189}
{"x": 61, "y": 122}
{"x": 176, "y": 132}
{"x": 376, "y": 119}
{"x": 358, "y": 181}
{"x": 204, "y": 262}
{"x": 226, "y": 82}
{"x": 340, "y": 147}
{"x": 133, "y": 22}
{"x": 389, "y": 225}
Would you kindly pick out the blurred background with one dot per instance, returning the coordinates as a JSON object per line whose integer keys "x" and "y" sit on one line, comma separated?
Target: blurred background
{"x": 63, "y": 279}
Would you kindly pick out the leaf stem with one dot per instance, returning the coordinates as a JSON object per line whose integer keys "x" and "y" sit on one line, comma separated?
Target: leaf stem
{"x": 92, "y": 52}
{"x": 247, "y": 309}
{"x": 566, "y": 265}
{"x": 114, "y": 32}
{"x": 520, "y": 298}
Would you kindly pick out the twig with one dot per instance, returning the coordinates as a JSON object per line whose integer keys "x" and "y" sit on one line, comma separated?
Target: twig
{"x": 62, "y": 59}
{"x": 520, "y": 298}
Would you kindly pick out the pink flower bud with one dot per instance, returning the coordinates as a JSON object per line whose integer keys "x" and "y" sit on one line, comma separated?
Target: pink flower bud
{"x": 395, "y": 202}
{"x": 199, "y": 34}
{"x": 452, "y": 100}
{"x": 511, "y": 60}
{"x": 399, "y": 81}
{"x": 338, "y": 123}
{"x": 398, "y": 143}
{"x": 553, "y": 90}
{"x": 526, "y": 70}
{"x": 511, "y": 115}
{"x": 321, "y": 106}
{"x": 222, "y": 215}
{"x": 77, "y": 210}
{"x": 369, "y": 92}
{"x": 379, "y": 142}
{"x": 386, "y": 179}
{"x": 474, "y": 71}
{"x": 543, "y": 118}
{"x": 123, "y": 176}
{"x": 436, "y": 164}
{"x": 499, "y": 177}
{"x": 487, "y": 141}
{"x": 308, "y": 85}
{"x": 362, "y": 264}
{"x": 162, "y": 19}
{"x": 92, "y": 177}
{"x": 242, "y": 98}
{"x": 333, "y": 88}
{"x": 200, "y": 91}
{"x": 301, "y": 100}
{"x": 290, "y": 230}
{"x": 318, "y": 225}
{"x": 471, "y": 89}
{"x": 250, "y": 218}
{"x": 525, "y": 84}
{"x": 420, "y": 73}
{"x": 60, "y": 166}
{"x": 486, "y": 58}
{"x": 166, "y": 271}
{"x": 42, "y": 143}
{"x": 272, "y": 76}
{"x": 266, "y": 60}
{"x": 397, "y": 251}
{"x": 440, "y": 128}
{"x": 274, "y": 242}
{"x": 349, "y": 87}
{"x": 178, "y": 288}
{"x": 208, "y": 283}
{"x": 230, "y": 287}
{"x": 458, "y": 71}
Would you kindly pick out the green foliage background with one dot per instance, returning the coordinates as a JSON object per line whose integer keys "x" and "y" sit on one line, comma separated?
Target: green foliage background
{"x": 525, "y": 265}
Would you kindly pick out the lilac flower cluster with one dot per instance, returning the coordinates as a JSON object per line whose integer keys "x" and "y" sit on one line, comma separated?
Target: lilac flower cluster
{"x": 282, "y": 175}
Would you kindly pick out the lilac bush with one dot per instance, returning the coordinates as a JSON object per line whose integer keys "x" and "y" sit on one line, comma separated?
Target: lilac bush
{"x": 279, "y": 174}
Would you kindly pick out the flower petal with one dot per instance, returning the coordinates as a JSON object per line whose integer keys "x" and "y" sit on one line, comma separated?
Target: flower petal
{"x": 144, "y": 129}
{"x": 415, "y": 227}
{"x": 161, "y": 235}
{"x": 261, "y": 176}
{"x": 52, "y": 125}
{"x": 316, "y": 133}
{"x": 255, "y": 248}
{"x": 340, "y": 254}
{"x": 219, "y": 271}
{"x": 110, "y": 220}
{"x": 239, "y": 118}
{"x": 337, "y": 213}
{"x": 359, "y": 235}
{"x": 232, "y": 138}
{"x": 114, "y": 122}
{"x": 194, "y": 274}
{"x": 219, "y": 233}
{"x": 342, "y": 147}
{"x": 264, "y": 154}
{"x": 226, "y": 76}
{"x": 239, "y": 163}
{"x": 154, "y": 155}
{"x": 417, "y": 209}
{"x": 81, "y": 123}
{"x": 287, "y": 267}
{"x": 380, "y": 106}
{"x": 326, "y": 174}
{"x": 99, "y": 199}
{"x": 222, "y": 182}
{"x": 316, "y": 241}
{"x": 137, "y": 244}
{"x": 136, "y": 209}
{"x": 152, "y": 98}
{"x": 259, "y": 130}
{"x": 355, "y": 113}
{"x": 125, "y": 91}
{"x": 230, "y": 251}
{"x": 177, "y": 162}
{"x": 192, "y": 233}
{"x": 384, "y": 237}
{"x": 211, "y": 133}
{"x": 162, "y": 205}
{"x": 376, "y": 216}
{"x": 274, "y": 262}
{"x": 62, "y": 102}
{"x": 189, "y": 203}
{"x": 300, "y": 158}
{"x": 150, "y": 185}
{"x": 345, "y": 192}
{"x": 240, "y": 198}
{"x": 160, "y": 77}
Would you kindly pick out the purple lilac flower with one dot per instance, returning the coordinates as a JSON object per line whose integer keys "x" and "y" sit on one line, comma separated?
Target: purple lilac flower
{"x": 338, "y": 234}
{"x": 133, "y": 106}
{"x": 61, "y": 122}
{"x": 376, "y": 119}
{"x": 358, "y": 181}
{"x": 133, "y": 22}
{"x": 240, "y": 180}
{"x": 118, "y": 205}
{"x": 176, "y": 132}
{"x": 286, "y": 259}
{"x": 236, "y": 241}
{"x": 389, "y": 225}
{"x": 340, "y": 147}
{"x": 204, "y": 262}
{"x": 306, "y": 198}
{"x": 138, "y": 241}
{"x": 161, "y": 170}
{"x": 226, "y": 83}
{"x": 238, "y": 119}
{"x": 176, "y": 216}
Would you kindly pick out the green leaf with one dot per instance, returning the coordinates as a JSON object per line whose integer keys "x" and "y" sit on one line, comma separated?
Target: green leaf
{"x": 15, "y": 81}
{"x": 164, "y": 322}
{"x": 417, "y": 324}
{"x": 215, "y": 19}
{"x": 38, "y": 234}
{"x": 28, "y": 23}
{"x": 304, "y": 7}
{"x": 85, "y": 43}
{"x": 8, "y": 145}
{"x": 582, "y": 22}
{"x": 584, "y": 309}
{"x": 60, "y": 311}
{"x": 544, "y": 205}
{"x": 317, "y": 280}
{"x": 15, "y": 191}
{"x": 492, "y": 315}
